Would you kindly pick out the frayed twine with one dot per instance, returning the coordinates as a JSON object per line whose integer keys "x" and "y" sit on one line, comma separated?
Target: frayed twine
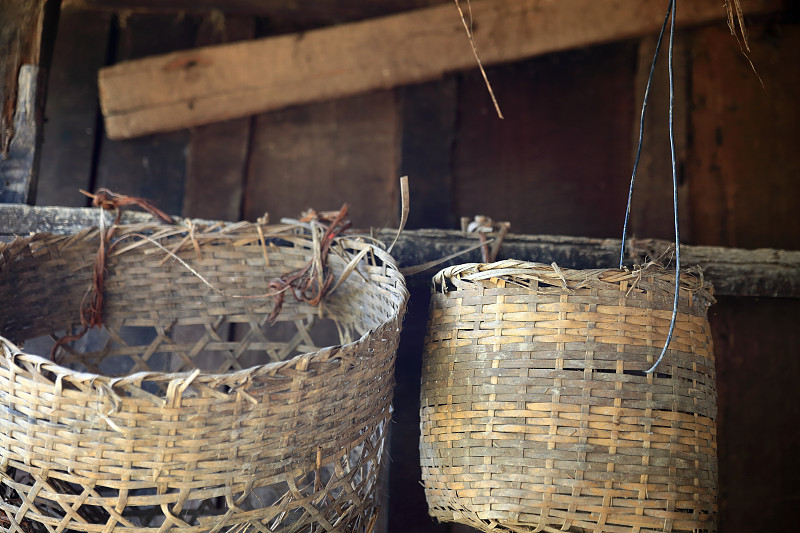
{"x": 93, "y": 303}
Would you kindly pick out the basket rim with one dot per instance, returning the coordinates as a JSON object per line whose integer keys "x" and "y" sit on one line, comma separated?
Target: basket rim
{"x": 568, "y": 279}
{"x": 285, "y": 231}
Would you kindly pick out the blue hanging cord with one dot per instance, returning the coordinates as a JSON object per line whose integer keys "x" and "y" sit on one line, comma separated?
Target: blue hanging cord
{"x": 641, "y": 134}
{"x": 673, "y": 4}
{"x": 671, "y": 13}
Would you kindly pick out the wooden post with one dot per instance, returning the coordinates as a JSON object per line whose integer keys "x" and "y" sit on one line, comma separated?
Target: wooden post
{"x": 651, "y": 208}
{"x": 22, "y": 81}
{"x": 216, "y": 160}
{"x": 153, "y": 167}
{"x": 70, "y": 133}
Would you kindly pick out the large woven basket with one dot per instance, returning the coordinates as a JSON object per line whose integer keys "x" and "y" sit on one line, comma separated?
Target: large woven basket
{"x": 189, "y": 411}
{"x": 537, "y": 413}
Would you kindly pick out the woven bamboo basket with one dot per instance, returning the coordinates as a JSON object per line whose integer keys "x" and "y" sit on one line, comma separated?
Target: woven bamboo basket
{"x": 188, "y": 410}
{"x": 537, "y": 413}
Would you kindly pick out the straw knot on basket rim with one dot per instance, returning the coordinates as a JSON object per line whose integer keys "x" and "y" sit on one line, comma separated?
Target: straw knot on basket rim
{"x": 189, "y": 410}
{"x": 132, "y": 237}
{"x": 537, "y": 412}
{"x": 525, "y": 273}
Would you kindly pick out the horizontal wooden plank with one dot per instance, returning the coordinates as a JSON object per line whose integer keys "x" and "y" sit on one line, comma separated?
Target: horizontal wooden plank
{"x": 733, "y": 271}
{"x": 217, "y": 83}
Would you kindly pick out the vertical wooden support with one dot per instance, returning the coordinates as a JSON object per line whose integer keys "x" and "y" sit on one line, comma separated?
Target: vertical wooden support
{"x": 744, "y": 159}
{"x": 408, "y": 510}
{"x": 756, "y": 342}
{"x": 651, "y": 210}
{"x": 558, "y": 163}
{"x": 744, "y": 164}
{"x": 324, "y": 155}
{"x": 217, "y": 155}
{"x": 429, "y": 121}
{"x": 72, "y": 113}
{"x": 18, "y": 165}
{"x": 153, "y": 167}
{"x": 22, "y": 78}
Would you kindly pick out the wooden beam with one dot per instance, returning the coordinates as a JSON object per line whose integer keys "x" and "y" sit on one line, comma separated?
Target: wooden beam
{"x": 732, "y": 271}
{"x": 217, "y": 83}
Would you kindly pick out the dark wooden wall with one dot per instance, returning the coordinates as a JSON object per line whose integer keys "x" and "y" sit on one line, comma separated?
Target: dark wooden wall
{"x": 559, "y": 163}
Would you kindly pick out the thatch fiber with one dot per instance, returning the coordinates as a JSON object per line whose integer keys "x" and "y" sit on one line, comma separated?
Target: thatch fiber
{"x": 189, "y": 410}
{"x": 536, "y": 410}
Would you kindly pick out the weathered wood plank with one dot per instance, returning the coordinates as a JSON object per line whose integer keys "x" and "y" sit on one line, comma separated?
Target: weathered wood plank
{"x": 19, "y": 162}
{"x": 72, "y": 114}
{"x": 216, "y": 161}
{"x": 153, "y": 167}
{"x": 24, "y": 56}
{"x": 651, "y": 209}
{"x": 408, "y": 510}
{"x": 211, "y": 84}
{"x": 324, "y": 155}
{"x": 733, "y": 271}
{"x": 559, "y": 162}
{"x": 429, "y": 130}
{"x": 744, "y": 162}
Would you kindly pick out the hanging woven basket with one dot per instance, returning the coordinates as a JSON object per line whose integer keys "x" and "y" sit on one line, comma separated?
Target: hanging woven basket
{"x": 536, "y": 410}
{"x": 189, "y": 410}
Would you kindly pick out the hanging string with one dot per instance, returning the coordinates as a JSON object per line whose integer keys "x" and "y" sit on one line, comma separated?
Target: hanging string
{"x": 641, "y": 134}
{"x": 674, "y": 8}
{"x": 671, "y": 16}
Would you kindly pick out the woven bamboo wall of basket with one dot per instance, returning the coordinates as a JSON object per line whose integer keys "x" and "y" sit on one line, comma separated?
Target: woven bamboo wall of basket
{"x": 537, "y": 414}
{"x": 189, "y": 411}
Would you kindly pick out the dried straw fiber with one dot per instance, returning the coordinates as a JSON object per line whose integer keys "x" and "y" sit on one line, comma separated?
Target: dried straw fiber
{"x": 537, "y": 414}
{"x": 188, "y": 411}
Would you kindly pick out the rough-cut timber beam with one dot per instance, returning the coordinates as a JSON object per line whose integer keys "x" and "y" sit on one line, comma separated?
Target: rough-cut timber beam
{"x": 217, "y": 83}
{"x": 734, "y": 272}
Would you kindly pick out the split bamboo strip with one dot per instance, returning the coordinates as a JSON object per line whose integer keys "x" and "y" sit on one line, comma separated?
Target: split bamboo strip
{"x": 189, "y": 411}
{"x": 537, "y": 413}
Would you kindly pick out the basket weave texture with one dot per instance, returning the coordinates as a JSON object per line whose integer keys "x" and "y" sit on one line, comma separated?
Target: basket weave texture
{"x": 537, "y": 414}
{"x": 189, "y": 411}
